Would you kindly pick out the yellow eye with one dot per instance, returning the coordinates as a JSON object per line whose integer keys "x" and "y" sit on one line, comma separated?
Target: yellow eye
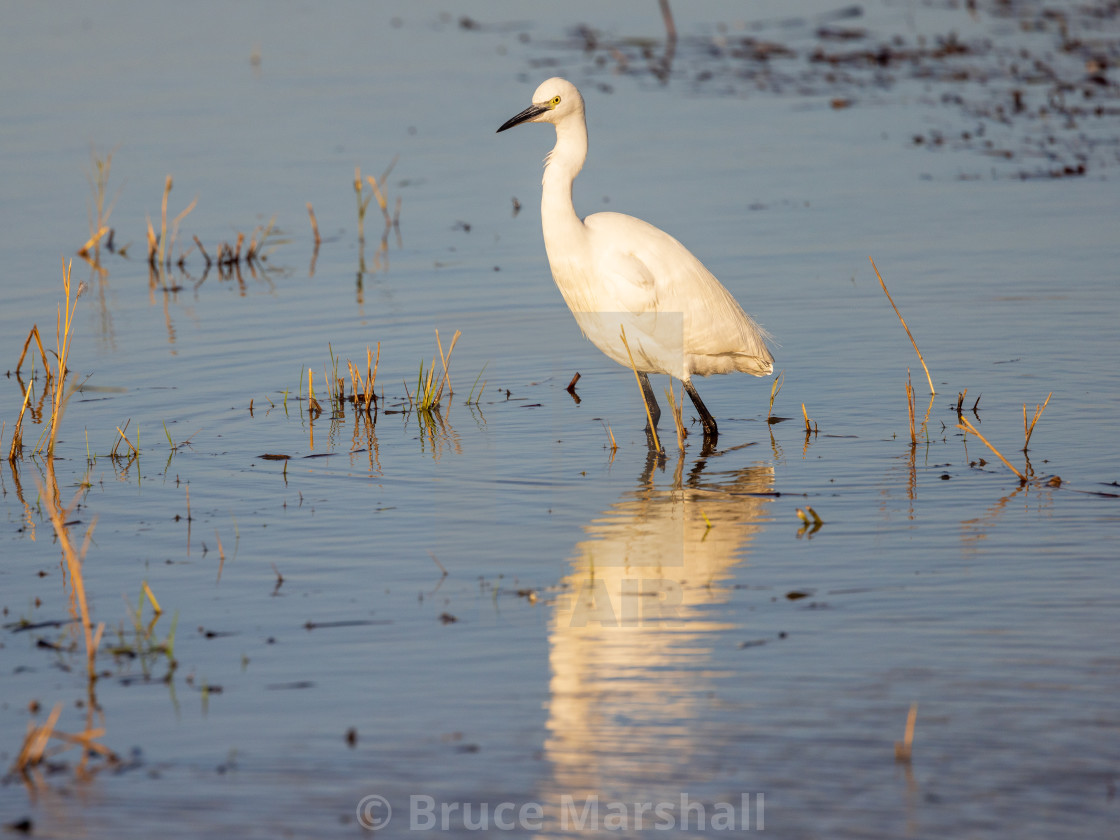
{"x": 554, "y": 101}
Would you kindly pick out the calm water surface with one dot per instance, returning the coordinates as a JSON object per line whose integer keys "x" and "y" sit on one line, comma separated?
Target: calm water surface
{"x": 499, "y": 609}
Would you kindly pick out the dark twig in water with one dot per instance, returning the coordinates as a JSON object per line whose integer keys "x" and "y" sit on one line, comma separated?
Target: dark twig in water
{"x": 202, "y": 251}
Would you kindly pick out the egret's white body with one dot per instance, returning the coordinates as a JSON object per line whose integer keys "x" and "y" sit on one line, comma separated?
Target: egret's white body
{"x": 617, "y": 272}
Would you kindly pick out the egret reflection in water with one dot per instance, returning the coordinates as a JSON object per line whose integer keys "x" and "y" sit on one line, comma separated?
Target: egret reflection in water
{"x": 630, "y": 643}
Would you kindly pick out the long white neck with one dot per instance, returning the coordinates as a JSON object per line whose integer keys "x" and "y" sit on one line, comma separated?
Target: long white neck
{"x": 558, "y": 214}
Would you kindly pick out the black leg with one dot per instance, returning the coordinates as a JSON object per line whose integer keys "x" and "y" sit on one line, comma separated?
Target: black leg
{"x": 651, "y": 400}
{"x": 711, "y": 433}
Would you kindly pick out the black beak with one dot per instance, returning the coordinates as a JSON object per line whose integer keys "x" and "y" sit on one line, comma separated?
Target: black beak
{"x": 524, "y": 116}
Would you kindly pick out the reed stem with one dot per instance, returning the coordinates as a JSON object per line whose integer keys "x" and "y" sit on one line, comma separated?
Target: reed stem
{"x": 929, "y": 379}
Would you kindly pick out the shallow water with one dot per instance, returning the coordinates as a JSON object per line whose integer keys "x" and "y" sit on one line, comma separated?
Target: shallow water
{"x": 503, "y": 610}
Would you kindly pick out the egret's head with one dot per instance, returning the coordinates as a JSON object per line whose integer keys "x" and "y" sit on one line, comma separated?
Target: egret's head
{"x": 554, "y": 100}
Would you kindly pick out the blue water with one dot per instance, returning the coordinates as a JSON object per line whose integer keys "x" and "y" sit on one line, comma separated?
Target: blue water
{"x": 504, "y": 610}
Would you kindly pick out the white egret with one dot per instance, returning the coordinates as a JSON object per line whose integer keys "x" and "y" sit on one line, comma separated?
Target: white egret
{"x": 617, "y": 271}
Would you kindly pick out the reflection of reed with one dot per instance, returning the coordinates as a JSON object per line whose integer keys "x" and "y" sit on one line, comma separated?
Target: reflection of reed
{"x": 28, "y": 514}
{"x": 34, "y": 749}
{"x": 629, "y": 643}
{"x": 392, "y": 224}
{"x": 974, "y": 531}
{"x": 71, "y": 556}
{"x": 437, "y": 434}
{"x": 367, "y": 428}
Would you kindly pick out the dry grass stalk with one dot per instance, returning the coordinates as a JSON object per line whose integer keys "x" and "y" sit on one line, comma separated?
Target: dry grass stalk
{"x": 99, "y": 212}
{"x": 429, "y": 390}
{"x": 381, "y": 200}
{"x": 332, "y": 399}
{"x": 363, "y": 387}
{"x": 810, "y": 425}
{"x": 967, "y": 426}
{"x": 312, "y": 404}
{"x": 925, "y": 418}
{"x": 161, "y": 247}
{"x": 391, "y": 221}
{"x": 903, "y": 320}
{"x": 676, "y": 409}
{"x": 163, "y": 220}
{"x": 72, "y": 560}
{"x": 446, "y": 361}
{"x": 649, "y": 413}
{"x": 610, "y": 434}
{"x": 221, "y": 555}
{"x": 371, "y": 375}
{"x": 775, "y": 388}
{"x": 121, "y": 437}
{"x": 126, "y": 440}
{"x": 42, "y": 353}
{"x": 811, "y": 522}
{"x": 904, "y": 749}
{"x": 151, "y": 597}
{"x": 362, "y": 203}
{"x": 34, "y": 748}
{"x": 314, "y": 225}
{"x": 63, "y": 337}
{"x": 85, "y": 740}
{"x": 175, "y": 226}
{"x": 153, "y": 243}
{"x": 910, "y": 408}
{"x": 93, "y": 243}
{"x": 355, "y": 381}
{"x": 1029, "y": 430}
{"x": 257, "y": 239}
{"x": 667, "y": 16}
{"x": 35, "y": 742}
{"x": 17, "y": 431}
{"x": 426, "y": 388}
